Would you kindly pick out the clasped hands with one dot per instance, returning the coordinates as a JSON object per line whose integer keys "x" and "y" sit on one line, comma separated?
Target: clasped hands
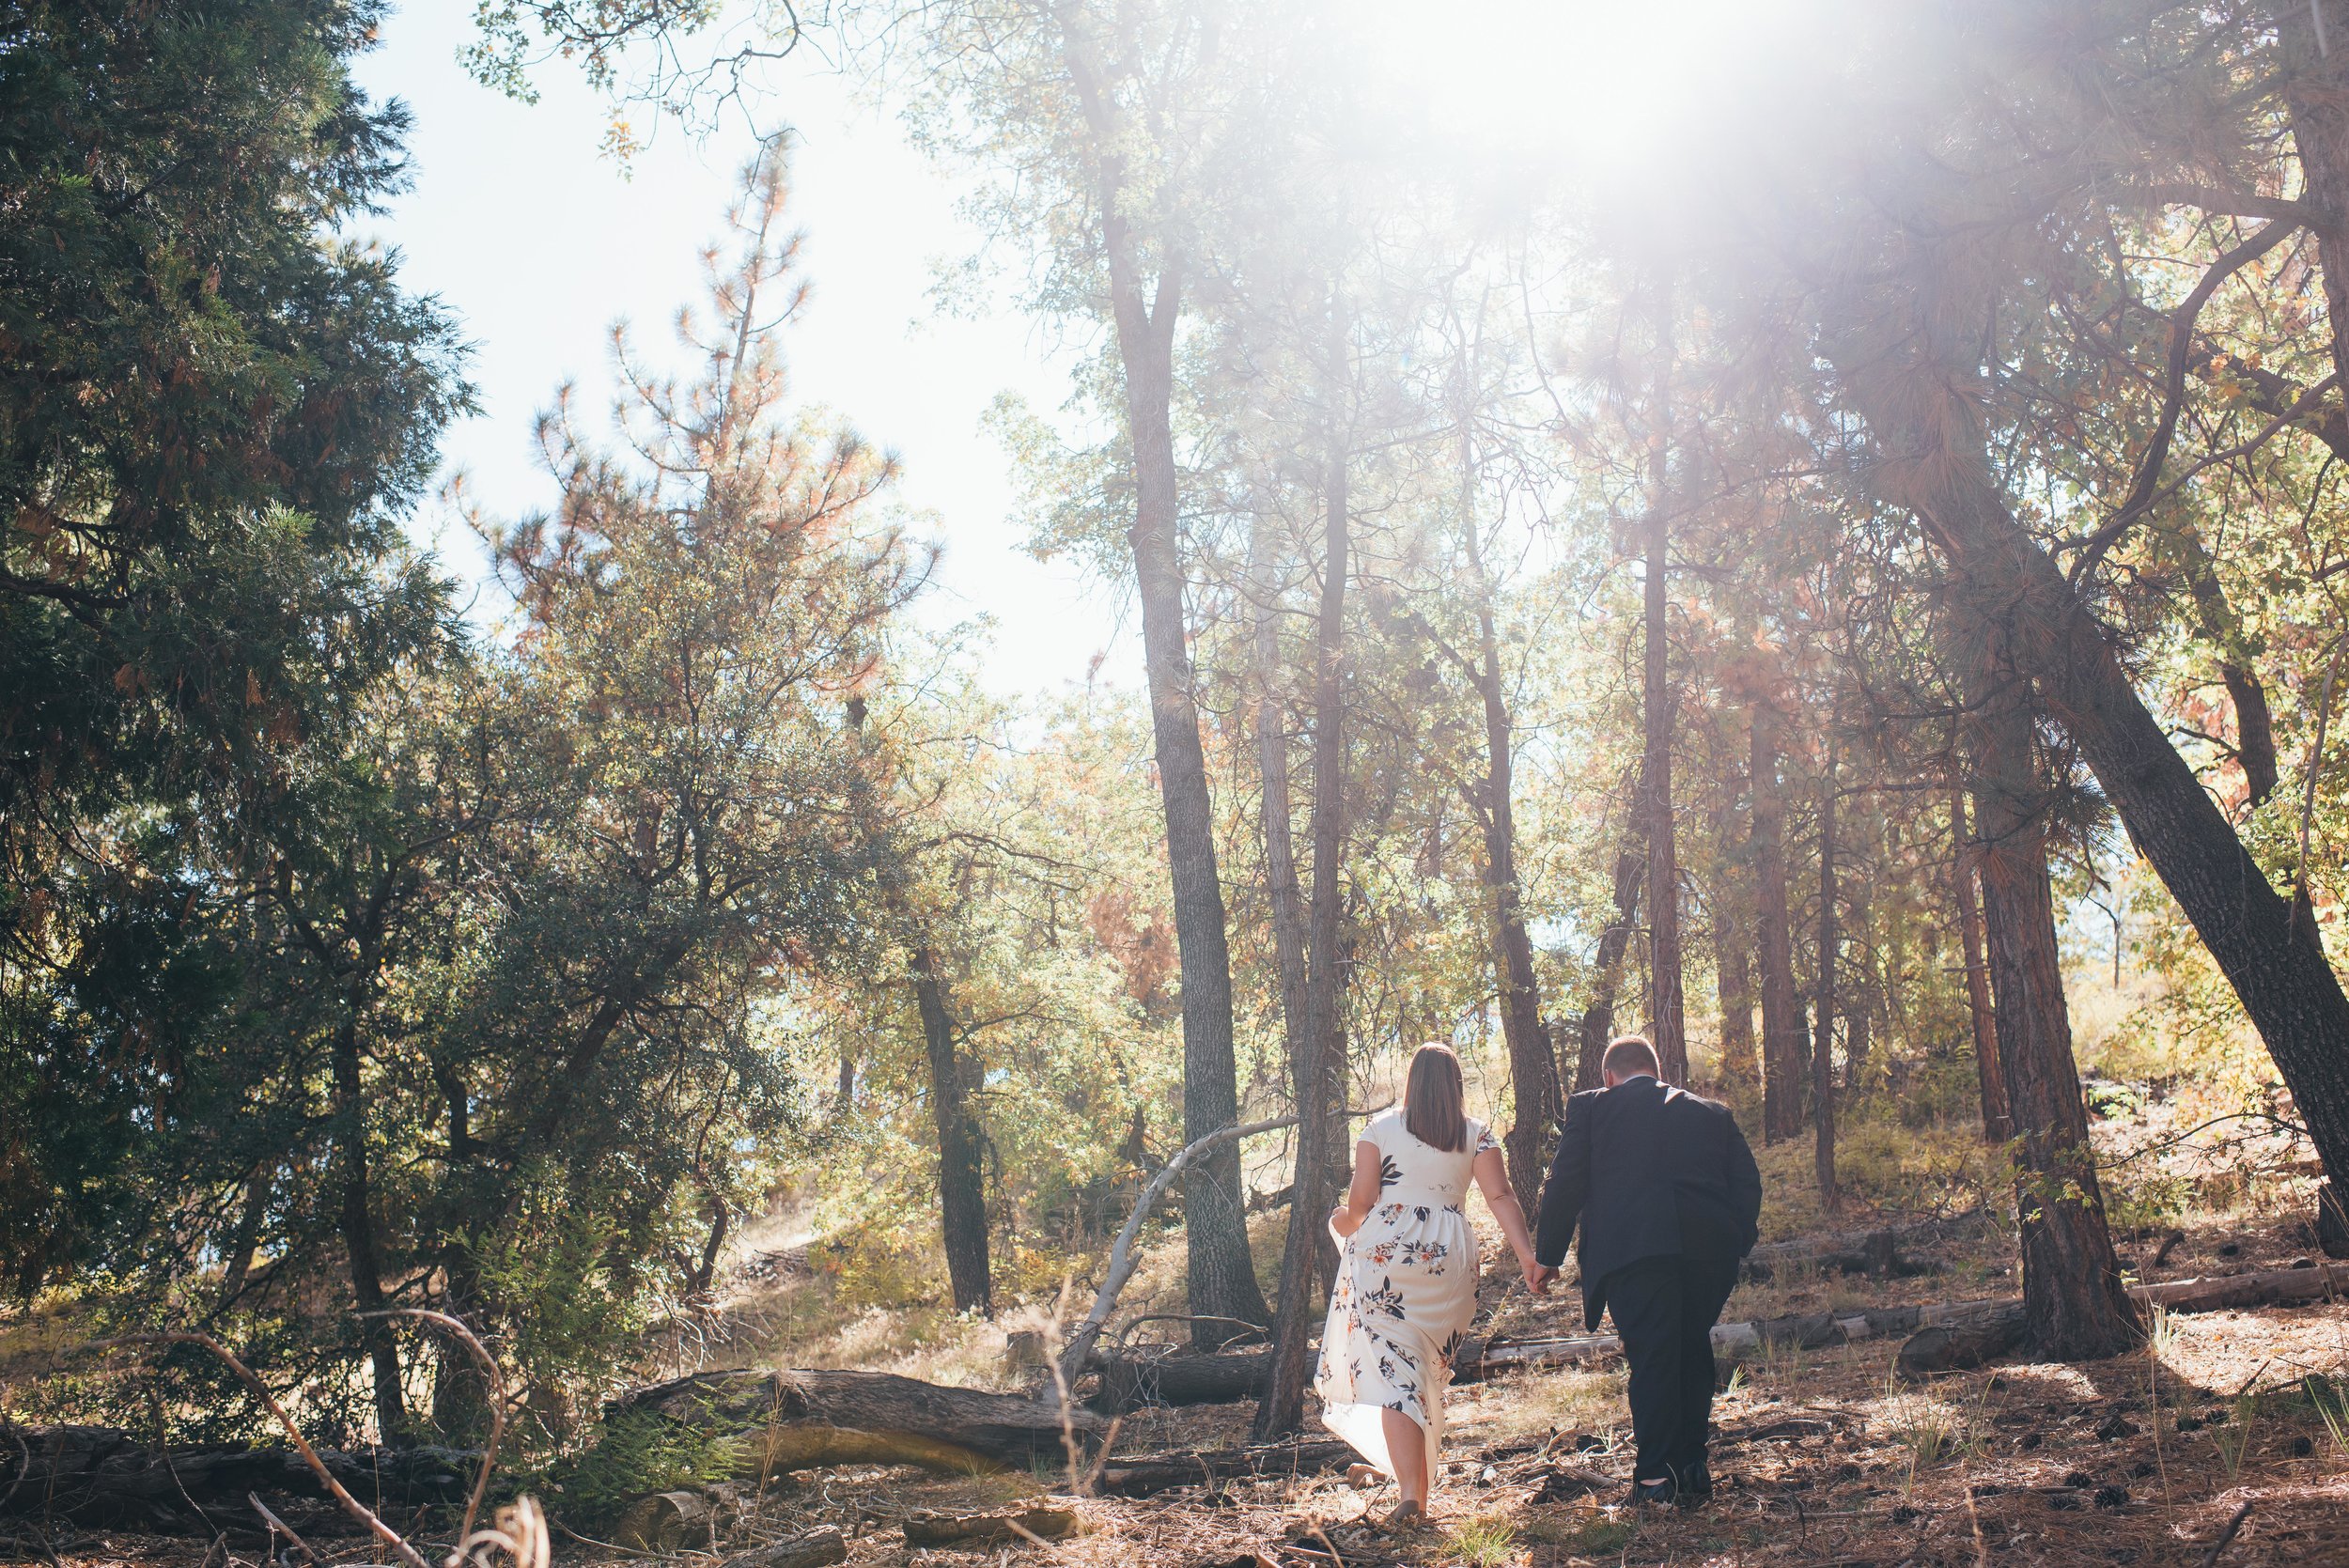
{"x": 1537, "y": 1276}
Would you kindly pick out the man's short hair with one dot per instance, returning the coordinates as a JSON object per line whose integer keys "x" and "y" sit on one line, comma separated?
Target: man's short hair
{"x": 1629, "y": 1054}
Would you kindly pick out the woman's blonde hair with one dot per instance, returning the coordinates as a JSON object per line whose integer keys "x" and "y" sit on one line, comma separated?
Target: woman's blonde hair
{"x": 1431, "y": 1099}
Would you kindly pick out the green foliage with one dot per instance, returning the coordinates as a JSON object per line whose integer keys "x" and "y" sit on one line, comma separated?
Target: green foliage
{"x": 2329, "y": 1398}
{"x": 215, "y": 410}
{"x": 633, "y": 1456}
{"x": 2138, "y": 1197}
{"x": 1485, "y": 1541}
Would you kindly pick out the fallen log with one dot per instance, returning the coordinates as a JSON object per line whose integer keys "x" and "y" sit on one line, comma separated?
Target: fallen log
{"x": 1961, "y": 1346}
{"x": 788, "y": 1420}
{"x": 1877, "y": 1252}
{"x": 1997, "y": 1326}
{"x": 1128, "y": 1381}
{"x": 1143, "y": 1474}
{"x": 2262, "y": 1288}
{"x": 102, "y": 1475}
{"x": 665, "y": 1521}
{"x": 1736, "y": 1340}
{"x": 993, "y": 1527}
{"x": 817, "y": 1549}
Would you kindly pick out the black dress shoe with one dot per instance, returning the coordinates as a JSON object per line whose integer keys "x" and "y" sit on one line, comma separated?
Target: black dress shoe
{"x": 1696, "y": 1482}
{"x": 1654, "y": 1493}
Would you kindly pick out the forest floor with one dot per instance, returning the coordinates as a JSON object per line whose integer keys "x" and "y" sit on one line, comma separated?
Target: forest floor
{"x": 1822, "y": 1457}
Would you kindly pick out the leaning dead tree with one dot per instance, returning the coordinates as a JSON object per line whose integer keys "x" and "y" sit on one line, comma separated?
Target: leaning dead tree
{"x": 1124, "y": 1256}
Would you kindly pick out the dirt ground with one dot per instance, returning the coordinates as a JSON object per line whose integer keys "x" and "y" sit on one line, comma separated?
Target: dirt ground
{"x": 1822, "y": 1457}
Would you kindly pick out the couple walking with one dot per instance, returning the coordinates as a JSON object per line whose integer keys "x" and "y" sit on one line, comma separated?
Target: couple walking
{"x": 1666, "y": 1195}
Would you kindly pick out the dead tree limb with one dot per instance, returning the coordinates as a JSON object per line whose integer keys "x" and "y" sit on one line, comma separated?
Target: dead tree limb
{"x": 358, "y": 1510}
{"x": 1123, "y": 1258}
{"x": 480, "y": 1353}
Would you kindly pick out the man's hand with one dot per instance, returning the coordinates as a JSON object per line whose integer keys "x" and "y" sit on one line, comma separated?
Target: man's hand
{"x": 1538, "y": 1276}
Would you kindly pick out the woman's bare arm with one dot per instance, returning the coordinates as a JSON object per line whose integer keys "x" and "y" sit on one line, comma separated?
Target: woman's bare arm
{"x": 1360, "y": 1194}
{"x": 1492, "y": 1177}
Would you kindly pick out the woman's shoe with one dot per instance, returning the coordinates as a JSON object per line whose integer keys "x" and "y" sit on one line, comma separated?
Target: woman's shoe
{"x": 1405, "y": 1516}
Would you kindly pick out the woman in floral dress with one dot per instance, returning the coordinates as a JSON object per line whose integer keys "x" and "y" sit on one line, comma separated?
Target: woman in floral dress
{"x": 1406, "y": 1274}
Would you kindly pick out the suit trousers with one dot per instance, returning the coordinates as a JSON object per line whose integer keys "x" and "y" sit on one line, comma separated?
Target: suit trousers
{"x": 1664, "y": 1309}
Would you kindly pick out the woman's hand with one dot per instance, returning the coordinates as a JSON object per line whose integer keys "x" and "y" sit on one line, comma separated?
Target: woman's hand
{"x": 1344, "y": 1221}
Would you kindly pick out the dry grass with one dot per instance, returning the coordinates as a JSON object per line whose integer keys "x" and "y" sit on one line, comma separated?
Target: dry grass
{"x": 1823, "y": 1457}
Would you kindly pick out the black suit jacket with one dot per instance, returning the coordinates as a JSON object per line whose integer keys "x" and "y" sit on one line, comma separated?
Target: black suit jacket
{"x": 1648, "y": 1170}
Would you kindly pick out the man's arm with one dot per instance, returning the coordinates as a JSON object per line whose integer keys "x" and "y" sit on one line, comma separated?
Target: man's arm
{"x": 1745, "y": 1188}
{"x": 1568, "y": 1185}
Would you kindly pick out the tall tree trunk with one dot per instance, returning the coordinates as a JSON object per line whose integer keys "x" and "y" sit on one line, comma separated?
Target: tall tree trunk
{"x": 1221, "y": 1277}
{"x": 1668, "y": 1025}
{"x": 1860, "y": 984}
{"x": 358, "y": 1230}
{"x": 1733, "y": 943}
{"x": 1283, "y": 897}
{"x": 1733, "y": 970}
{"x": 1774, "y": 938}
{"x": 961, "y": 1177}
{"x": 1320, "y": 1107}
{"x": 2073, "y": 1296}
{"x": 1536, "y": 1105}
{"x": 1925, "y": 416}
{"x": 2316, "y": 96}
{"x": 1823, "y": 1048}
{"x": 1599, "y": 1018}
{"x": 1996, "y": 1125}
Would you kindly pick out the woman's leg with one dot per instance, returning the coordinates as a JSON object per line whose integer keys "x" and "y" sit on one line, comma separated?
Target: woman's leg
{"x": 1407, "y": 1450}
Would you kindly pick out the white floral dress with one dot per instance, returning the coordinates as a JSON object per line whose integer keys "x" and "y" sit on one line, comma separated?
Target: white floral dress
{"x": 1406, "y": 1290}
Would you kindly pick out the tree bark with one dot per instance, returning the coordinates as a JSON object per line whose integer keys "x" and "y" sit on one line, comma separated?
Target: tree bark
{"x": 357, "y": 1223}
{"x": 1860, "y": 984}
{"x": 1283, "y": 897}
{"x": 1781, "y": 1016}
{"x": 1996, "y": 1125}
{"x": 1599, "y": 1018}
{"x": 802, "y": 1419}
{"x": 1536, "y": 1104}
{"x": 1320, "y": 1107}
{"x": 1822, "y": 1049}
{"x": 1924, "y": 413}
{"x": 1667, "y": 1025}
{"x": 961, "y": 1177}
{"x": 1140, "y": 1475}
{"x": 1219, "y": 1275}
{"x": 2072, "y": 1288}
{"x": 1733, "y": 970}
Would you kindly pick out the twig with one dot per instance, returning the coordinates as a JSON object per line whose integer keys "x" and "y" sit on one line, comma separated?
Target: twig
{"x": 47, "y": 1551}
{"x": 2152, "y": 1396}
{"x": 359, "y": 1511}
{"x": 283, "y": 1528}
{"x": 24, "y": 1462}
{"x": 497, "y": 1410}
{"x": 1101, "y": 1460}
{"x": 2210, "y": 1558}
{"x": 1982, "y": 1548}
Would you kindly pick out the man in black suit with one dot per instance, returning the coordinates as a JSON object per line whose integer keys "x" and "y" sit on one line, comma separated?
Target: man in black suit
{"x": 1669, "y": 1202}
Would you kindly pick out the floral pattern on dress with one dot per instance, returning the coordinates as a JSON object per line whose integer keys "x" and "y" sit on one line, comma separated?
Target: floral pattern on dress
{"x": 1402, "y": 1298}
